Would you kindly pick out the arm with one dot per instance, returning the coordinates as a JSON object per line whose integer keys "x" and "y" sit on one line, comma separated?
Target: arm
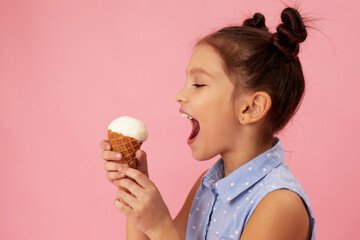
{"x": 132, "y": 233}
{"x": 147, "y": 209}
{"x": 111, "y": 166}
{"x": 177, "y": 228}
{"x": 144, "y": 206}
{"x": 180, "y": 220}
{"x": 281, "y": 215}
{"x": 182, "y": 217}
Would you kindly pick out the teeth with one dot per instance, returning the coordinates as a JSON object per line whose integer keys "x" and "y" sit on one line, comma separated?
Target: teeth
{"x": 186, "y": 116}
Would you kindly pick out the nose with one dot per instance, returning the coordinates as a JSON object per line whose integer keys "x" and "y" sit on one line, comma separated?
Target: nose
{"x": 180, "y": 96}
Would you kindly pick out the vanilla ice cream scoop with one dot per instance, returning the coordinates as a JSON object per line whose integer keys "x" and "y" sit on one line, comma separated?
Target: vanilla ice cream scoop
{"x": 130, "y": 127}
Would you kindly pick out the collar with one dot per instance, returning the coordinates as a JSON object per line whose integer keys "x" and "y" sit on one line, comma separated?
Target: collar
{"x": 245, "y": 176}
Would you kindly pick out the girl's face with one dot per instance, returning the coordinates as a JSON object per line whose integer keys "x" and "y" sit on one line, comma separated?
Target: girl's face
{"x": 206, "y": 101}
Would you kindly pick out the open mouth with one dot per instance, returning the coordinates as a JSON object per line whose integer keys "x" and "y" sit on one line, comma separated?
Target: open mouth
{"x": 195, "y": 126}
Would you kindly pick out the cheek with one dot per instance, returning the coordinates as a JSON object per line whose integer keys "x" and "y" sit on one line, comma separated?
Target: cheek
{"x": 215, "y": 109}
{"x": 215, "y": 125}
{"x": 218, "y": 126}
{"x": 218, "y": 111}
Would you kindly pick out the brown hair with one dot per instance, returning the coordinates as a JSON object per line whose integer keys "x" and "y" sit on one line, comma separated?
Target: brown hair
{"x": 258, "y": 60}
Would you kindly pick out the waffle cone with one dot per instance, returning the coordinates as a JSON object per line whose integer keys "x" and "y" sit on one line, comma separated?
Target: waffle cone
{"x": 127, "y": 146}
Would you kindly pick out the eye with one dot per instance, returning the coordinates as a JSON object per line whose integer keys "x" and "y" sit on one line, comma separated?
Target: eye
{"x": 198, "y": 85}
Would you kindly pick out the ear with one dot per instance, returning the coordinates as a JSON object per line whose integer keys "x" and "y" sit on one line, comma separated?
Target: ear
{"x": 255, "y": 107}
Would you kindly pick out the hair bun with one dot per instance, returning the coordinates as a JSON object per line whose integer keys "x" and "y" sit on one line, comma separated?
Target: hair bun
{"x": 290, "y": 33}
{"x": 258, "y": 21}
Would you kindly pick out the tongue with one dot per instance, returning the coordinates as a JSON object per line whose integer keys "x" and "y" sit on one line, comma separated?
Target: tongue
{"x": 195, "y": 129}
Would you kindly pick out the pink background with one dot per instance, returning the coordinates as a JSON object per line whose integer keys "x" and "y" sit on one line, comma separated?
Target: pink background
{"x": 67, "y": 68}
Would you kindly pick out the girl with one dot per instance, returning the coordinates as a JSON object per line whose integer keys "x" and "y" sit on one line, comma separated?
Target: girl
{"x": 243, "y": 85}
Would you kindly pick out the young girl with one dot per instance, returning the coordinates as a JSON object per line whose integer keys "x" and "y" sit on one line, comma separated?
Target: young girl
{"x": 243, "y": 85}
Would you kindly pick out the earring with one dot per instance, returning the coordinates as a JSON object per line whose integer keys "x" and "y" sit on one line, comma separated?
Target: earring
{"x": 241, "y": 118}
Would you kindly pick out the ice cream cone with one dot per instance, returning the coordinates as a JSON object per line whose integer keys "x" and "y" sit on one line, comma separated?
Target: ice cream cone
{"x": 126, "y": 135}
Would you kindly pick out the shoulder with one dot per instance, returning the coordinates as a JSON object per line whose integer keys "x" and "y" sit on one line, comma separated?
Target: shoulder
{"x": 281, "y": 214}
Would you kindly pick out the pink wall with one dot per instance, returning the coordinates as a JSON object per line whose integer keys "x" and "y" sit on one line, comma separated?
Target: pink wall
{"x": 67, "y": 68}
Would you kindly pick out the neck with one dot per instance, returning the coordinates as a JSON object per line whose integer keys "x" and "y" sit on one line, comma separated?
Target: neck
{"x": 243, "y": 151}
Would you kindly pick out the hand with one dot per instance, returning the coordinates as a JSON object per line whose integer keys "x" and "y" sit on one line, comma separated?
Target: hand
{"x": 112, "y": 161}
{"x": 145, "y": 206}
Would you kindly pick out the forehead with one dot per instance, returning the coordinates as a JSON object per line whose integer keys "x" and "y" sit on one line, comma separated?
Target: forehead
{"x": 206, "y": 57}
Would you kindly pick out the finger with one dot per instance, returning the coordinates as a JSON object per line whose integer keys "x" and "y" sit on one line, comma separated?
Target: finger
{"x": 112, "y": 176}
{"x": 126, "y": 210}
{"x": 104, "y": 144}
{"x": 138, "y": 176}
{"x": 130, "y": 185}
{"x": 127, "y": 198}
{"x": 111, "y": 155}
{"x": 141, "y": 155}
{"x": 112, "y": 166}
{"x": 142, "y": 162}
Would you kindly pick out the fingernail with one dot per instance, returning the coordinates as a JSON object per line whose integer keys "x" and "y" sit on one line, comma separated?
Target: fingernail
{"x": 118, "y": 155}
{"x": 121, "y": 175}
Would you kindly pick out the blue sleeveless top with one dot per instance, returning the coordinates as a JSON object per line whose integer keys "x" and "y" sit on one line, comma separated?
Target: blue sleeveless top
{"x": 223, "y": 205}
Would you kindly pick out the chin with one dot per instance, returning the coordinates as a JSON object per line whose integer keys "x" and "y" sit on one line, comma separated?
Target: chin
{"x": 201, "y": 156}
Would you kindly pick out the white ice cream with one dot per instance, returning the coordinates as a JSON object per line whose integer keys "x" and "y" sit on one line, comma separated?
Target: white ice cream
{"x": 129, "y": 126}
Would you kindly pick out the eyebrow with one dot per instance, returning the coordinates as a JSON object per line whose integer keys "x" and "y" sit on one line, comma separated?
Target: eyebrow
{"x": 199, "y": 70}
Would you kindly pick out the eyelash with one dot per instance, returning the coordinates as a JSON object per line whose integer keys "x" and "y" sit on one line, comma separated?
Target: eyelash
{"x": 198, "y": 85}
